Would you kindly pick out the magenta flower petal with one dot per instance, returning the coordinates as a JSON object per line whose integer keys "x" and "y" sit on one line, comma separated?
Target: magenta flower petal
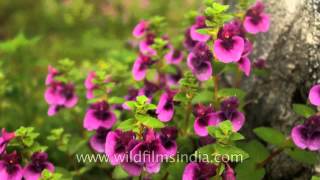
{"x": 92, "y": 122}
{"x": 89, "y": 93}
{"x": 229, "y": 51}
{"x": 174, "y": 56}
{"x": 245, "y": 65}
{"x": 39, "y": 162}
{"x": 201, "y": 124}
{"x": 88, "y": 83}
{"x": 132, "y": 168}
{"x": 115, "y": 157}
{"x": 98, "y": 141}
{"x": 146, "y": 49}
{"x": 202, "y": 70}
{"x": 52, "y": 72}
{"x": 314, "y": 95}
{"x": 165, "y": 109}
{"x": 53, "y": 109}
{"x": 254, "y": 27}
{"x": 237, "y": 120}
{"x": 71, "y": 102}
{"x": 140, "y": 29}
{"x": 153, "y": 167}
{"x": 197, "y": 36}
{"x": 190, "y": 170}
{"x": 16, "y": 175}
{"x": 297, "y": 137}
{"x": 139, "y": 71}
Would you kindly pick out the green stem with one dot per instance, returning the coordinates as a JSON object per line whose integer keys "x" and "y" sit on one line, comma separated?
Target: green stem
{"x": 269, "y": 158}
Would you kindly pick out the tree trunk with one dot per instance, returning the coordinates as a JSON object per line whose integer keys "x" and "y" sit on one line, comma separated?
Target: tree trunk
{"x": 291, "y": 49}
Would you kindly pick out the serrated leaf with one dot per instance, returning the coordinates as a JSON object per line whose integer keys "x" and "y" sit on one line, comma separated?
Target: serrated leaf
{"x": 270, "y": 135}
{"x": 303, "y": 110}
{"x": 116, "y": 100}
{"x": 127, "y": 125}
{"x": 228, "y": 92}
{"x": 256, "y": 150}
{"x": 248, "y": 170}
{"x": 205, "y": 96}
{"x": 303, "y": 156}
{"x": 150, "y": 121}
{"x": 236, "y": 137}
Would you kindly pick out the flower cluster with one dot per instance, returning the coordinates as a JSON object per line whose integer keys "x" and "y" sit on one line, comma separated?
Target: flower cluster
{"x": 10, "y": 163}
{"x": 59, "y": 94}
{"x": 307, "y": 135}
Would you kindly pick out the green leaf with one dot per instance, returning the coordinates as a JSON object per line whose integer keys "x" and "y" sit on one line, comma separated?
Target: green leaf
{"x": 214, "y": 152}
{"x": 303, "y": 156}
{"x": 228, "y": 92}
{"x": 119, "y": 173}
{"x": 270, "y": 135}
{"x": 226, "y": 126}
{"x": 234, "y": 153}
{"x": 127, "y": 125}
{"x": 216, "y": 132}
{"x": 248, "y": 170}
{"x": 204, "y": 31}
{"x": 180, "y": 97}
{"x": 131, "y": 104}
{"x": 315, "y": 178}
{"x": 150, "y": 121}
{"x": 236, "y": 137}
{"x": 303, "y": 110}
{"x": 176, "y": 170}
{"x": 256, "y": 150}
{"x": 27, "y": 135}
{"x": 142, "y": 99}
{"x": 116, "y": 100}
{"x": 205, "y": 96}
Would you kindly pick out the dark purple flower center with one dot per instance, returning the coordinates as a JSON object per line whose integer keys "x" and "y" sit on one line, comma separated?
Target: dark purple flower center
{"x": 228, "y": 44}
{"x": 311, "y": 128}
{"x": 123, "y": 141}
{"x": 11, "y": 162}
{"x": 149, "y": 89}
{"x": 205, "y": 171}
{"x": 189, "y": 42}
{"x": 67, "y": 91}
{"x": 101, "y": 135}
{"x": 204, "y": 120}
{"x": 149, "y": 147}
{"x": 101, "y": 111}
{"x": 168, "y": 105}
{"x": 150, "y": 39}
{"x": 39, "y": 162}
{"x": 176, "y": 54}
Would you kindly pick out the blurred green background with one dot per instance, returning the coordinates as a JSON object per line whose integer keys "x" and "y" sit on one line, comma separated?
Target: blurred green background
{"x": 34, "y": 34}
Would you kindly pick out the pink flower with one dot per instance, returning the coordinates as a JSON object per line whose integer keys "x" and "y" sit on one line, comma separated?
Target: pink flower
{"x": 165, "y": 108}
{"x": 140, "y": 67}
{"x": 199, "y": 61}
{"x": 174, "y": 56}
{"x": 314, "y": 95}
{"x": 10, "y": 169}
{"x": 307, "y": 135}
{"x": 5, "y": 138}
{"x": 140, "y": 29}
{"x": 256, "y": 20}
{"x": 39, "y": 162}
{"x": 99, "y": 115}
{"x": 52, "y": 72}
{"x": 199, "y": 24}
{"x": 230, "y": 45}
{"x": 59, "y": 95}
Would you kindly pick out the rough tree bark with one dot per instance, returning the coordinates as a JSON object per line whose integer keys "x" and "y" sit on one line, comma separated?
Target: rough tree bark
{"x": 291, "y": 48}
